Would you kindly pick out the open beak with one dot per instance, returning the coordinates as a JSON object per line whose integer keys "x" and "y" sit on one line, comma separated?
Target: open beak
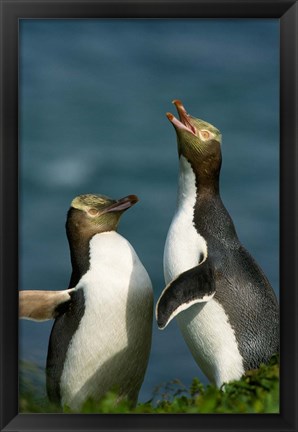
{"x": 122, "y": 204}
{"x": 184, "y": 123}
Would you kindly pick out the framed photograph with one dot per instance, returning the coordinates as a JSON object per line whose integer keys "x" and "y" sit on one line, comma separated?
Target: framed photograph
{"x": 87, "y": 91}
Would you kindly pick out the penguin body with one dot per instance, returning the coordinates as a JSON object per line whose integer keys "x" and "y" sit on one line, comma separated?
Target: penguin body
{"x": 101, "y": 338}
{"x": 224, "y": 305}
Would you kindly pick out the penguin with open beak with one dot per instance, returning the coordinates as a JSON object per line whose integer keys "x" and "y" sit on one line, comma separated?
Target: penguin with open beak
{"x": 101, "y": 337}
{"x": 225, "y": 307}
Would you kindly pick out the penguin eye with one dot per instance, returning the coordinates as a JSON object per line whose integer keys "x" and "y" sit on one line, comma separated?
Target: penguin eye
{"x": 205, "y": 135}
{"x": 92, "y": 211}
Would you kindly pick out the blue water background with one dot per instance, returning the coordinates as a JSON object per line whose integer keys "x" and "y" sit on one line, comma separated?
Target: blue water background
{"x": 93, "y": 98}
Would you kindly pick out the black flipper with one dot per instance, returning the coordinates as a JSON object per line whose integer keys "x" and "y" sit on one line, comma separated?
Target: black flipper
{"x": 193, "y": 286}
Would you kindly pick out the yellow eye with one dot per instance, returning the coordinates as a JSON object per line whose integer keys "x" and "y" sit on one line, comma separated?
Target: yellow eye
{"x": 93, "y": 211}
{"x": 205, "y": 135}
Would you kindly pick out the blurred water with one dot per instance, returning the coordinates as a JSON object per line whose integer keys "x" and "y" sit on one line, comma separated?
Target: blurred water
{"x": 93, "y": 97}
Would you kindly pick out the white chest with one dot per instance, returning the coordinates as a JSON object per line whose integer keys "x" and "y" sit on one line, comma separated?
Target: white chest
{"x": 115, "y": 284}
{"x": 184, "y": 245}
{"x": 212, "y": 342}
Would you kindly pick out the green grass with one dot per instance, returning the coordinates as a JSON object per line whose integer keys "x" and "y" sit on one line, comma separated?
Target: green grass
{"x": 256, "y": 392}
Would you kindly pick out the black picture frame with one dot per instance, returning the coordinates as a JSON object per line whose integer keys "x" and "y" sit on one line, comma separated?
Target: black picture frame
{"x": 11, "y": 12}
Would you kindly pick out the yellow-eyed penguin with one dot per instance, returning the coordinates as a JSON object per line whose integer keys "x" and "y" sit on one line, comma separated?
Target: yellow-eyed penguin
{"x": 225, "y": 307}
{"x": 101, "y": 336}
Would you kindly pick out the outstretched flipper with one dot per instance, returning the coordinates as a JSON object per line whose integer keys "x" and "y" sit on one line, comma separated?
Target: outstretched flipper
{"x": 192, "y": 286}
{"x": 42, "y": 305}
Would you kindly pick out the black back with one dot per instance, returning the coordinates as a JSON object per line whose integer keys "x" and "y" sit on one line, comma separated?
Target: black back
{"x": 64, "y": 328}
{"x": 70, "y": 313}
{"x": 241, "y": 286}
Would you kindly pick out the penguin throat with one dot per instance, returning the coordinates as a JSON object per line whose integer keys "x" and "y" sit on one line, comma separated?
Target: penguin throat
{"x": 205, "y": 179}
{"x": 193, "y": 184}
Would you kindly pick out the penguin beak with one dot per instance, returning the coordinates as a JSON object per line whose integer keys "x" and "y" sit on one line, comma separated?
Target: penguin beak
{"x": 184, "y": 123}
{"x": 122, "y": 204}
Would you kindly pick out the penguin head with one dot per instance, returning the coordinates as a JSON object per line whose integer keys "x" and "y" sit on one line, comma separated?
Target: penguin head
{"x": 93, "y": 214}
{"x": 198, "y": 141}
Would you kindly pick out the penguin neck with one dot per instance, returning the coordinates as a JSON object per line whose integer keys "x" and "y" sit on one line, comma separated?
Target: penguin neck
{"x": 201, "y": 201}
{"x": 191, "y": 187}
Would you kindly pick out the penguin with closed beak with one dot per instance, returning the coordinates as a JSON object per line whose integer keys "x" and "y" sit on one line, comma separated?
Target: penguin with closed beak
{"x": 224, "y": 305}
{"x": 101, "y": 337}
